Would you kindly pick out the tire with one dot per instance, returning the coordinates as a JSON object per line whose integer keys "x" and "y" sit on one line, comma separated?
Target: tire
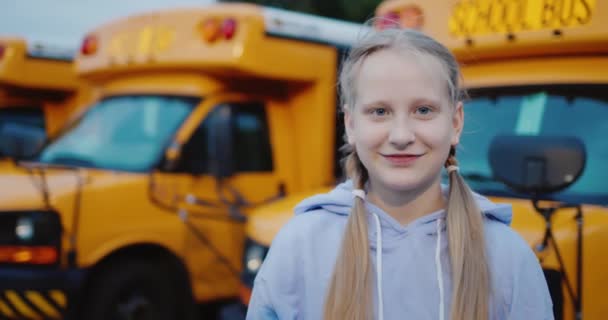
{"x": 136, "y": 290}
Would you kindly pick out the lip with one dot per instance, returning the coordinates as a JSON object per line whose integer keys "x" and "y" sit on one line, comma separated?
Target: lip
{"x": 401, "y": 159}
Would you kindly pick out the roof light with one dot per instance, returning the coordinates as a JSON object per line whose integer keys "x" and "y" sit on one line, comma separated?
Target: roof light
{"x": 90, "y": 44}
{"x": 409, "y": 17}
{"x": 210, "y": 29}
{"x": 412, "y": 17}
{"x": 229, "y": 28}
{"x": 388, "y": 20}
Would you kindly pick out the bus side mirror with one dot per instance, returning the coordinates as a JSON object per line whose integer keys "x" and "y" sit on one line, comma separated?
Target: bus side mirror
{"x": 20, "y": 141}
{"x": 221, "y": 156}
{"x": 537, "y": 165}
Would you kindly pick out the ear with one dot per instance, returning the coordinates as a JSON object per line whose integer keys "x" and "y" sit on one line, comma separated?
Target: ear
{"x": 457, "y": 123}
{"x": 349, "y": 126}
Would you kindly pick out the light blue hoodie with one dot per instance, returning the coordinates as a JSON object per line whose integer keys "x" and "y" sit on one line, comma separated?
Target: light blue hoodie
{"x": 413, "y": 269}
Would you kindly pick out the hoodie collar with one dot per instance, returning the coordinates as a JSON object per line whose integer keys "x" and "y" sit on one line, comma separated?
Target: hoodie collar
{"x": 340, "y": 201}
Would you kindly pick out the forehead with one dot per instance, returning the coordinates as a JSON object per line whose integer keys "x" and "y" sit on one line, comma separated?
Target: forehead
{"x": 401, "y": 75}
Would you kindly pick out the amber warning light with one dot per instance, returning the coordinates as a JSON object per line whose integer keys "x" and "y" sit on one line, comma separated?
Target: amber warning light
{"x": 89, "y": 46}
{"x": 213, "y": 29}
{"x": 409, "y": 17}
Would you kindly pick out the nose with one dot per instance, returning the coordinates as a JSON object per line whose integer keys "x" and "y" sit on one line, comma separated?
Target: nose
{"x": 401, "y": 134}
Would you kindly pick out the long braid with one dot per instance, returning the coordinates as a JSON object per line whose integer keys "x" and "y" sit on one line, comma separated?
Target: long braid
{"x": 470, "y": 271}
{"x": 353, "y": 269}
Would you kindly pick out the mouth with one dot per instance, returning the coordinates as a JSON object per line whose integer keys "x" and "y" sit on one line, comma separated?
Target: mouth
{"x": 401, "y": 159}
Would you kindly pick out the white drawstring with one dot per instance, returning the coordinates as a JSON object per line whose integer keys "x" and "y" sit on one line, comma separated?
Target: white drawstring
{"x": 439, "y": 270}
{"x": 379, "y": 267}
{"x": 361, "y": 194}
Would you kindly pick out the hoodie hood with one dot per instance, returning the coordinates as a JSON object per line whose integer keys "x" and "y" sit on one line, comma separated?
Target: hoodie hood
{"x": 340, "y": 201}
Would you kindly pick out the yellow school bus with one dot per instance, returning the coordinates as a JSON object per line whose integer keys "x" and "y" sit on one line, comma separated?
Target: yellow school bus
{"x": 39, "y": 91}
{"x": 537, "y": 77}
{"x": 137, "y": 209}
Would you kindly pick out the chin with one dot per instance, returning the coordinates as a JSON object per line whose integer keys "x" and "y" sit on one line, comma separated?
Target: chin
{"x": 402, "y": 182}
{"x": 406, "y": 179}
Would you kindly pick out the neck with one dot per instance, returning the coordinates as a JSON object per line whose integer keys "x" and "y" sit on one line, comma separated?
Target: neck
{"x": 407, "y": 206}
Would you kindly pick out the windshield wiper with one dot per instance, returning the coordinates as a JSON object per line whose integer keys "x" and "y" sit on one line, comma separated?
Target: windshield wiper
{"x": 72, "y": 160}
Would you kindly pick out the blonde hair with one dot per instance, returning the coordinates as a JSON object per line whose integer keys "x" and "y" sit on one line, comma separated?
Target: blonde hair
{"x": 350, "y": 289}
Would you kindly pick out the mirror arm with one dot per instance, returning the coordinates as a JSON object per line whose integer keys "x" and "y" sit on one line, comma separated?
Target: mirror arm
{"x": 241, "y": 202}
{"x": 234, "y": 207}
{"x": 548, "y": 237}
{"x": 579, "y": 261}
{"x": 172, "y": 155}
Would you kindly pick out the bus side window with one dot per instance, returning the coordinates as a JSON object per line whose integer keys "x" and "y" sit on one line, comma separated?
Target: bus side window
{"x": 252, "y": 150}
{"x": 27, "y": 116}
{"x": 22, "y": 131}
{"x": 251, "y": 145}
{"x": 194, "y": 158}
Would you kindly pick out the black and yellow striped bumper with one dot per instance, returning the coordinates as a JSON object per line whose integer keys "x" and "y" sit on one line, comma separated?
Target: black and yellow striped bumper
{"x": 38, "y": 293}
{"x": 33, "y": 304}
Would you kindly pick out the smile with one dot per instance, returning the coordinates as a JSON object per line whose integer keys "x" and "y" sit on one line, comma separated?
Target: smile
{"x": 401, "y": 159}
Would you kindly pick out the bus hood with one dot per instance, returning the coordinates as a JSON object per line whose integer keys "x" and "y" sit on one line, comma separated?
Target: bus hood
{"x": 56, "y": 188}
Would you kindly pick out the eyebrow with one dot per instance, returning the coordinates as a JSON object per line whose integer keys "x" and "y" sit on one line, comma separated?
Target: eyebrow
{"x": 422, "y": 100}
{"x": 415, "y": 101}
{"x": 375, "y": 103}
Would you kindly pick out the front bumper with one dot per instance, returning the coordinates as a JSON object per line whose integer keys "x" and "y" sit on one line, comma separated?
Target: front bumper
{"x": 38, "y": 293}
{"x": 234, "y": 311}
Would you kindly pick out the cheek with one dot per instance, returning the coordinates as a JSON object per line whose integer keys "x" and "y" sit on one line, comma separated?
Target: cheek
{"x": 437, "y": 132}
{"x": 369, "y": 133}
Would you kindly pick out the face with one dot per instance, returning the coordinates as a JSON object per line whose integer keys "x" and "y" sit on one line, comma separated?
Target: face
{"x": 403, "y": 124}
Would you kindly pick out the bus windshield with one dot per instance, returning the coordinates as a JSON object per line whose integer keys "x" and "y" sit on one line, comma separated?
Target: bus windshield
{"x": 561, "y": 110}
{"x": 121, "y": 133}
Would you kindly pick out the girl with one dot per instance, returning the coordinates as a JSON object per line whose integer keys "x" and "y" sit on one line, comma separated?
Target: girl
{"x": 392, "y": 242}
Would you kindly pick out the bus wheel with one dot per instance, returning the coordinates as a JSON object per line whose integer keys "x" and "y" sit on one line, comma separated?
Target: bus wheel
{"x": 134, "y": 290}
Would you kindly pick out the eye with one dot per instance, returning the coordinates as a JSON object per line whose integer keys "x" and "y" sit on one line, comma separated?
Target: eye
{"x": 379, "y": 112}
{"x": 424, "y": 110}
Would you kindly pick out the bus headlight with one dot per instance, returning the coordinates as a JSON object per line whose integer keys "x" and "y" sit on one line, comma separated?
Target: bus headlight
{"x": 252, "y": 261}
{"x": 254, "y": 257}
{"x": 25, "y": 228}
{"x": 30, "y": 237}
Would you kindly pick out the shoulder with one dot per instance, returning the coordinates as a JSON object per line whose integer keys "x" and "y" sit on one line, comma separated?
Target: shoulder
{"x": 305, "y": 242}
{"x": 508, "y": 253}
{"x": 312, "y": 232}
{"x": 517, "y": 273}
{"x": 511, "y": 258}
{"x": 505, "y": 241}
{"x": 308, "y": 227}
